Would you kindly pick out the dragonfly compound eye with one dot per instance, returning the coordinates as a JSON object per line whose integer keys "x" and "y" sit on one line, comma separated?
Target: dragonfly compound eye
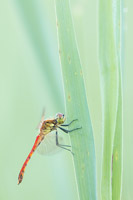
{"x": 60, "y": 118}
{"x": 59, "y": 115}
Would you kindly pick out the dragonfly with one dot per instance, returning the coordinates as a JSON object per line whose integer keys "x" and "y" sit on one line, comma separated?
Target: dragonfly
{"x": 47, "y": 126}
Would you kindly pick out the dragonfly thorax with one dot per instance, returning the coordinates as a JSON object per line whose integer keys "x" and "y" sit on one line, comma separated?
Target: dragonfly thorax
{"x": 60, "y": 118}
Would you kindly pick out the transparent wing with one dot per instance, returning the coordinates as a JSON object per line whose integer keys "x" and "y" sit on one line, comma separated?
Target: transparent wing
{"x": 42, "y": 119}
{"x": 48, "y": 145}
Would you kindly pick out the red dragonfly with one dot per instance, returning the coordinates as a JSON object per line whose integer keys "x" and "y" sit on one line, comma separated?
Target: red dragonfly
{"x": 46, "y": 126}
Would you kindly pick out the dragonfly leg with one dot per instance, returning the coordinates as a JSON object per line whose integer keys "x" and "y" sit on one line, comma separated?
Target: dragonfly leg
{"x": 68, "y": 131}
{"x": 61, "y": 145}
{"x": 69, "y": 123}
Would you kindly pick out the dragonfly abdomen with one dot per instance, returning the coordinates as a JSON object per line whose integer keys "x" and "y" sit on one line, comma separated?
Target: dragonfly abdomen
{"x": 38, "y": 140}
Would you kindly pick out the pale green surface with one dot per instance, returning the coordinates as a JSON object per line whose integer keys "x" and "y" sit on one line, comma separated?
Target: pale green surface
{"x": 76, "y": 104}
{"x": 22, "y": 86}
{"x": 127, "y": 190}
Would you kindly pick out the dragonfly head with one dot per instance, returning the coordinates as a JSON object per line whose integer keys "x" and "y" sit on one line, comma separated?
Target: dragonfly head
{"x": 60, "y": 118}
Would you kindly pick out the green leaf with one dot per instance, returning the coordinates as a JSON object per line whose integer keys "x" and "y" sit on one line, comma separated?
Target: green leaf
{"x": 76, "y": 104}
{"x": 117, "y": 150}
{"x": 109, "y": 56}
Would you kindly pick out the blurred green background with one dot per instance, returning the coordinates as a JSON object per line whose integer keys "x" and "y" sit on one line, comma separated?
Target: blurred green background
{"x": 30, "y": 80}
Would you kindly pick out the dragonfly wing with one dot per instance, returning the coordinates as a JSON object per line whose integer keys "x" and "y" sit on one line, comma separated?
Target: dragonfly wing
{"x": 42, "y": 119}
{"x": 48, "y": 145}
